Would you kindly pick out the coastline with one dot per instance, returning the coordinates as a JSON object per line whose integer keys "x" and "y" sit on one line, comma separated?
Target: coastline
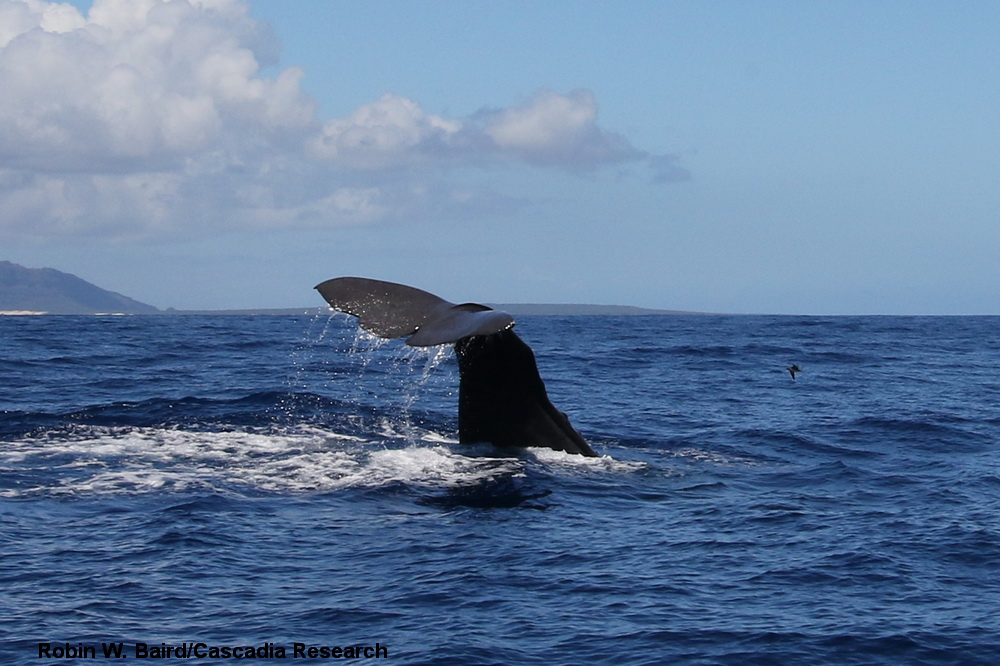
{"x": 516, "y": 309}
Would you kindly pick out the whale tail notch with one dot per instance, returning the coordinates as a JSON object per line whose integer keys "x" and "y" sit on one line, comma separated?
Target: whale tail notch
{"x": 502, "y": 398}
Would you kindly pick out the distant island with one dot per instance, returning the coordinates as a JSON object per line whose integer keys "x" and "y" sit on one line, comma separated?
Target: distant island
{"x": 571, "y": 309}
{"x": 48, "y": 291}
{"x": 516, "y": 309}
{"x": 30, "y": 291}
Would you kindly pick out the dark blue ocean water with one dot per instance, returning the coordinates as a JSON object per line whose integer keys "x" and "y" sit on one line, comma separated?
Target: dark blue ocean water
{"x": 245, "y": 481}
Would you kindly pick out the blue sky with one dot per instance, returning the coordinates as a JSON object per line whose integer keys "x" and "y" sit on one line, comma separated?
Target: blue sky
{"x": 775, "y": 157}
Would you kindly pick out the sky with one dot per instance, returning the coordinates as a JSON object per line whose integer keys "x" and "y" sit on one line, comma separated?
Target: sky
{"x": 827, "y": 157}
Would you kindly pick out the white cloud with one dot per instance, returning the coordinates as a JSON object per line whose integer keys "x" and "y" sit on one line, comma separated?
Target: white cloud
{"x": 17, "y": 18}
{"x": 138, "y": 84}
{"x": 391, "y": 132}
{"x": 557, "y": 130}
{"x": 152, "y": 117}
{"x": 550, "y": 129}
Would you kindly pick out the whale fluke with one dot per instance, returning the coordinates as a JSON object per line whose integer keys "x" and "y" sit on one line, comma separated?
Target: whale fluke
{"x": 501, "y": 397}
{"x": 391, "y": 310}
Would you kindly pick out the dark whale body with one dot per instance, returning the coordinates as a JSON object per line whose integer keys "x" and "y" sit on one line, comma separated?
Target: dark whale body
{"x": 501, "y": 397}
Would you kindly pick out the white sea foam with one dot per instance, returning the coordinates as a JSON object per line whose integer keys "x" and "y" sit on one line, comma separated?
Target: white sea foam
{"x": 561, "y": 459}
{"x": 309, "y": 459}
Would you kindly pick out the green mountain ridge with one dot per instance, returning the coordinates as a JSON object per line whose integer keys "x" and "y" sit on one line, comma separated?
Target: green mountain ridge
{"x": 54, "y": 292}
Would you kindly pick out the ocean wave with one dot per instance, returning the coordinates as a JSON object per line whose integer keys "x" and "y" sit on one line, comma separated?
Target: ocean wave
{"x": 101, "y": 460}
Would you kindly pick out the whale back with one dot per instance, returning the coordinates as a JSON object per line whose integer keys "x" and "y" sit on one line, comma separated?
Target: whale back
{"x": 502, "y": 398}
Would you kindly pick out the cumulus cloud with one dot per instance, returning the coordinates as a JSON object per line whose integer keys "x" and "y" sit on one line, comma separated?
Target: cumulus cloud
{"x": 549, "y": 129}
{"x": 138, "y": 84}
{"x": 153, "y": 117}
{"x": 390, "y": 132}
{"x": 557, "y": 130}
